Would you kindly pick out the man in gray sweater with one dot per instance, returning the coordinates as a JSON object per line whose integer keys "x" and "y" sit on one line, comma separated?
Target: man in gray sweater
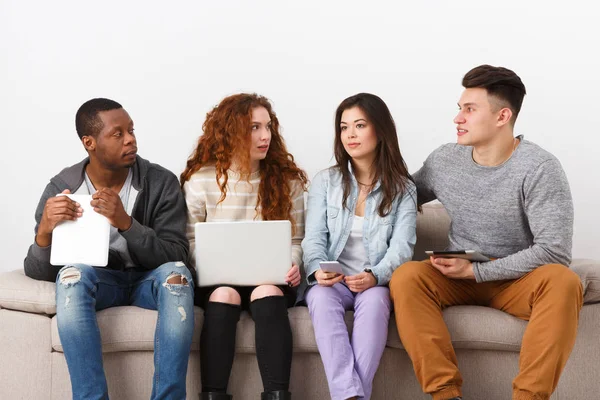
{"x": 147, "y": 213}
{"x": 510, "y": 200}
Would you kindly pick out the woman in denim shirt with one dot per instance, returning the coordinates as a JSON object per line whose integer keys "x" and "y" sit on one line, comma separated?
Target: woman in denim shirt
{"x": 362, "y": 213}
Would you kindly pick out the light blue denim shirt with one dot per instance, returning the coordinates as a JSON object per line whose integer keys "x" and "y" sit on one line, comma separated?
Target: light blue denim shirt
{"x": 389, "y": 241}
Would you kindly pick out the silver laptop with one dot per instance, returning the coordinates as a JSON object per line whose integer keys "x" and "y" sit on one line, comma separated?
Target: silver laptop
{"x": 243, "y": 253}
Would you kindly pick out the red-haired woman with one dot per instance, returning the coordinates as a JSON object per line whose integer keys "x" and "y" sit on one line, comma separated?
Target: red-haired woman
{"x": 241, "y": 170}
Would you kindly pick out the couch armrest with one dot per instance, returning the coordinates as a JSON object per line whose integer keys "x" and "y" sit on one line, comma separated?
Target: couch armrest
{"x": 589, "y": 273}
{"x": 21, "y": 293}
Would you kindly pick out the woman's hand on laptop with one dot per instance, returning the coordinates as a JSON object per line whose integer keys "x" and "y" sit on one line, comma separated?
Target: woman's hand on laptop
{"x": 293, "y": 276}
{"x": 327, "y": 278}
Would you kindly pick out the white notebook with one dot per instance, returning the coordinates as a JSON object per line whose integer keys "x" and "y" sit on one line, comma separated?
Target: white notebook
{"x": 83, "y": 241}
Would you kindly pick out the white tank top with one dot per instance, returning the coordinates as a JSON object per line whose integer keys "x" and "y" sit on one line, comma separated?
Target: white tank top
{"x": 354, "y": 256}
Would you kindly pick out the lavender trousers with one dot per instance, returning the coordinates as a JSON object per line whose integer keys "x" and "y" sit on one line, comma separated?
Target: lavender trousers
{"x": 350, "y": 361}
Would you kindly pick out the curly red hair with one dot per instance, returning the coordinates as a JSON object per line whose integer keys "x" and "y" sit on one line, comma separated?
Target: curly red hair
{"x": 227, "y": 136}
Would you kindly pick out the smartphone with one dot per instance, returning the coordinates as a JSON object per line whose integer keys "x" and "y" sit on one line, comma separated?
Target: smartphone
{"x": 331, "y": 266}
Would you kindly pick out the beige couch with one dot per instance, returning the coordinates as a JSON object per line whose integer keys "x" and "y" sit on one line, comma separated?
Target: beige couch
{"x": 487, "y": 342}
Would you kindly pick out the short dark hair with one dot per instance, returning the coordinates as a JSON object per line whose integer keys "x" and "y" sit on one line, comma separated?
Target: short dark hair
{"x": 500, "y": 83}
{"x": 87, "y": 122}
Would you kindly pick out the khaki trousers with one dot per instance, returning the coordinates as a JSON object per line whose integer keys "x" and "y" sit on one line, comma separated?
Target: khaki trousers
{"x": 550, "y": 298}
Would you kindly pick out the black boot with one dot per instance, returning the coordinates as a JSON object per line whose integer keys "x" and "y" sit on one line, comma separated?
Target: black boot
{"x": 276, "y": 395}
{"x": 214, "y": 396}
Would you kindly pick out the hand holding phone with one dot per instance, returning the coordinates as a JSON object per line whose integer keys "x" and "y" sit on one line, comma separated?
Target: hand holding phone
{"x": 329, "y": 274}
{"x": 331, "y": 266}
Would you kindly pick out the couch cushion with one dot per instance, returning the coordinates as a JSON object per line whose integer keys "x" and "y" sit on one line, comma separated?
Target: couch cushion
{"x": 132, "y": 328}
{"x": 19, "y": 292}
{"x": 302, "y": 330}
{"x": 129, "y": 328}
{"x": 471, "y": 327}
{"x": 589, "y": 273}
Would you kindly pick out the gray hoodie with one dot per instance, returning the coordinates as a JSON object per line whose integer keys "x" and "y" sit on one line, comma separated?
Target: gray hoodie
{"x": 157, "y": 232}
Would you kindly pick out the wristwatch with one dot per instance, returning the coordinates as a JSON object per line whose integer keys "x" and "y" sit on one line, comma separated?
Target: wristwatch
{"x": 368, "y": 270}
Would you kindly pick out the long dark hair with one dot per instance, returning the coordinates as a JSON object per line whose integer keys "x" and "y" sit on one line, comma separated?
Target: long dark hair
{"x": 390, "y": 168}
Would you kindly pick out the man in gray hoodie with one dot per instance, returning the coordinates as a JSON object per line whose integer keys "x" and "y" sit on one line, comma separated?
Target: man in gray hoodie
{"x": 509, "y": 199}
{"x": 146, "y": 210}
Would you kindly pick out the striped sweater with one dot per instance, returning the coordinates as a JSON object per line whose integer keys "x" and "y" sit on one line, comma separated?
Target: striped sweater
{"x": 202, "y": 194}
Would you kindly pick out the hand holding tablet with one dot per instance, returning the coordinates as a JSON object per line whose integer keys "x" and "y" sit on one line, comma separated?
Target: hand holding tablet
{"x": 84, "y": 240}
{"x": 470, "y": 255}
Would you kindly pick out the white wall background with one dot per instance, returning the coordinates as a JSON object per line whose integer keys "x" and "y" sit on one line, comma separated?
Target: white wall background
{"x": 168, "y": 63}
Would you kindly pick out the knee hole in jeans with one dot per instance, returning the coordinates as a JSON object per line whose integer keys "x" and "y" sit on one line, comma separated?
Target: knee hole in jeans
{"x": 70, "y": 276}
{"x": 177, "y": 279}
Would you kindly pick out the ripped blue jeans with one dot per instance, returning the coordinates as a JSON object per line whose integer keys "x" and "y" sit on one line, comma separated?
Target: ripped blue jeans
{"x": 82, "y": 290}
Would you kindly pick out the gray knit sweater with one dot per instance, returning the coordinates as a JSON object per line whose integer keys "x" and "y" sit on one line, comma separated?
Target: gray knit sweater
{"x": 519, "y": 212}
